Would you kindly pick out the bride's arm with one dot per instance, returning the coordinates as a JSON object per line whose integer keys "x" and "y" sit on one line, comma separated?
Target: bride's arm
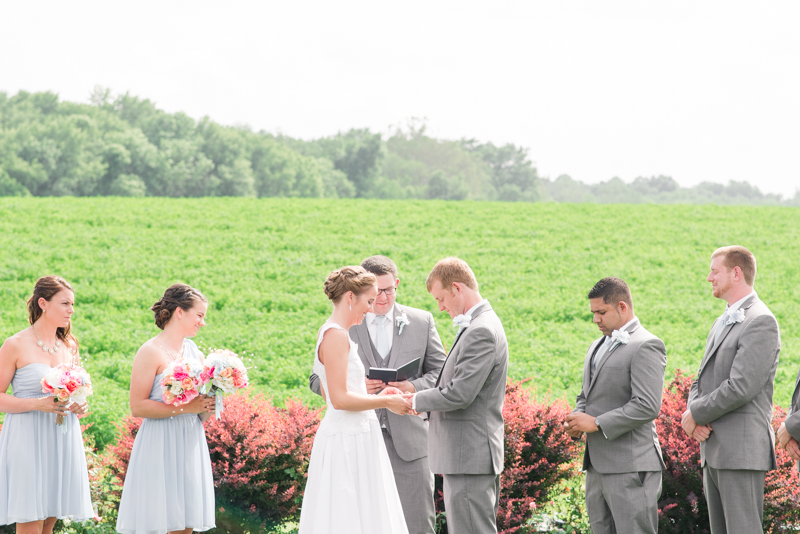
{"x": 333, "y": 352}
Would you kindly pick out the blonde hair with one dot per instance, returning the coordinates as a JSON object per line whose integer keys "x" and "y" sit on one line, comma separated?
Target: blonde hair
{"x": 451, "y": 270}
{"x": 737, "y": 256}
{"x": 350, "y": 278}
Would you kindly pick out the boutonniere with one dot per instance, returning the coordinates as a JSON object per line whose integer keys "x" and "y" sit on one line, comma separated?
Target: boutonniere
{"x": 402, "y": 321}
{"x": 619, "y": 337}
{"x": 462, "y": 321}
{"x": 735, "y": 317}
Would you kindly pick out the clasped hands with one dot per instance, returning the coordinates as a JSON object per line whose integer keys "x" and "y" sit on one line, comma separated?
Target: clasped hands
{"x": 788, "y": 443}
{"x": 576, "y": 424}
{"x": 62, "y": 408}
{"x": 404, "y": 389}
{"x": 693, "y": 430}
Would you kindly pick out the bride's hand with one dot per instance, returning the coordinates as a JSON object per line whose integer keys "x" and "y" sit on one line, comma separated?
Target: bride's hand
{"x": 397, "y": 404}
{"x": 390, "y": 391}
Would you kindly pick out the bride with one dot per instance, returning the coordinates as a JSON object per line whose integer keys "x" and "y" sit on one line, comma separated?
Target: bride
{"x": 350, "y": 484}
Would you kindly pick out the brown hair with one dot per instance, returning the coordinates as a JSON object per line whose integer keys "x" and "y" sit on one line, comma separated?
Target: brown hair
{"x": 351, "y": 278}
{"x": 46, "y": 288}
{"x": 451, "y": 270}
{"x": 380, "y": 265}
{"x": 736, "y": 256}
{"x": 176, "y": 296}
{"x": 612, "y": 290}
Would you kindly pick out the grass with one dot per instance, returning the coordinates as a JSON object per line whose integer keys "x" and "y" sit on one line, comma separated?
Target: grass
{"x": 262, "y": 262}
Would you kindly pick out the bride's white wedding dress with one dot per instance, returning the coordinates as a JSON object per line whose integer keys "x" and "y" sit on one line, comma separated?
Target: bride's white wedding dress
{"x": 350, "y": 486}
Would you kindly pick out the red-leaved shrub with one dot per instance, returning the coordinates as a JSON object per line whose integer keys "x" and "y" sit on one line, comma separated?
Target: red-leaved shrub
{"x": 118, "y": 455}
{"x": 260, "y": 453}
{"x": 682, "y": 508}
{"x": 538, "y": 454}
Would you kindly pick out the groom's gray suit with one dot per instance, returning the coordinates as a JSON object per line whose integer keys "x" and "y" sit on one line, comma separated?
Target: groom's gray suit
{"x": 465, "y": 441}
{"x": 733, "y": 393}
{"x": 623, "y": 459}
{"x": 406, "y": 437}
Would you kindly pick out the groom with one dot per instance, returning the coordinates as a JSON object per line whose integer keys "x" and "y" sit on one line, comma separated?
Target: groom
{"x": 465, "y": 443}
{"x": 730, "y": 403}
{"x": 391, "y": 337}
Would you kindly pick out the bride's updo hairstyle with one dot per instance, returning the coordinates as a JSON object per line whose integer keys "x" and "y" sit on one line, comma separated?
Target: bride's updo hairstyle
{"x": 46, "y": 288}
{"x": 176, "y": 296}
{"x": 351, "y": 278}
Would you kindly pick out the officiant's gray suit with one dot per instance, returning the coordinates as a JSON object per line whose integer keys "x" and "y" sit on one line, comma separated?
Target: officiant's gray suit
{"x": 465, "y": 440}
{"x": 733, "y": 393}
{"x": 406, "y": 437}
{"x": 623, "y": 459}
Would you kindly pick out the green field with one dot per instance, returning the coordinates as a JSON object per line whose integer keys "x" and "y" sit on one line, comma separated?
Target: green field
{"x": 262, "y": 262}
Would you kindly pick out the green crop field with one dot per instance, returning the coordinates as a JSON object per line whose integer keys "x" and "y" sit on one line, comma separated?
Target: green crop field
{"x": 262, "y": 262}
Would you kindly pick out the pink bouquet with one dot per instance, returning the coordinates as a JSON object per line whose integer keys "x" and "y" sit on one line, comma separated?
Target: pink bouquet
{"x": 67, "y": 382}
{"x": 182, "y": 381}
{"x": 226, "y": 373}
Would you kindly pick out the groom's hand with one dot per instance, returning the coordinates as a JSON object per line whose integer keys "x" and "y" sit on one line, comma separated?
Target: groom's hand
{"x": 405, "y": 386}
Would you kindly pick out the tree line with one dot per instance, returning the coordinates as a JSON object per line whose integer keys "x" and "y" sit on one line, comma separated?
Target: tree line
{"x": 125, "y": 146}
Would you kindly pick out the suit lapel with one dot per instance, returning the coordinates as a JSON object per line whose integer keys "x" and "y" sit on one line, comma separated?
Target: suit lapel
{"x": 479, "y": 310}
{"x": 619, "y": 346}
{"x": 588, "y": 374}
{"x": 725, "y": 331}
{"x": 364, "y": 344}
{"x": 397, "y": 339}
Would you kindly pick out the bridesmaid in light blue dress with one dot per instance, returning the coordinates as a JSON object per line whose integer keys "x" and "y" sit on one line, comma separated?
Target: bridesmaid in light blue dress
{"x": 43, "y": 475}
{"x": 169, "y": 485}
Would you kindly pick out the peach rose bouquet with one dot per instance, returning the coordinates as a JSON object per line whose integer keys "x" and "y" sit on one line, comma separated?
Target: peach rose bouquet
{"x": 182, "y": 381}
{"x": 67, "y": 382}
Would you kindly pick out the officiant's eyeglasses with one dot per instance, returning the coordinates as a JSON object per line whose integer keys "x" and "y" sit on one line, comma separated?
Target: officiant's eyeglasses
{"x": 388, "y": 291}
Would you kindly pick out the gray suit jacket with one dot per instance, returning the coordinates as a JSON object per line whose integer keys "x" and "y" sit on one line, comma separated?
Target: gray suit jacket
{"x": 418, "y": 340}
{"x": 733, "y": 391}
{"x": 624, "y": 394}
{"x": 466, "y": 424}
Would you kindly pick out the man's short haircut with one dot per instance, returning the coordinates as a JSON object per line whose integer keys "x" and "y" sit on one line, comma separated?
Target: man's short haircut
{"x": 736, "y": 256}
{"x": 612, "y": 290}
{"x": 380, "y": 265}
{"x": 451, "y": 270}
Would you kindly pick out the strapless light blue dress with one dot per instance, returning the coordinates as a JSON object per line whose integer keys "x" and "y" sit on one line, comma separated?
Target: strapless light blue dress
{"x": 169, "y": 485}
{"x": 42, "y": 469}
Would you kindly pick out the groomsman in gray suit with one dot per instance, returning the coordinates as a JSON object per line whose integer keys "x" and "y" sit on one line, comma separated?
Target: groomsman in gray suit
{"x": 623, "y": 381}
{"x": 465, "y": 442}
{"x": 730, "y": 403}
{"x": 391, "y": 337}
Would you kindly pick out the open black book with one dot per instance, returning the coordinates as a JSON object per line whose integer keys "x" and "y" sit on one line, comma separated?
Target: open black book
{"x": 394, "y": 375}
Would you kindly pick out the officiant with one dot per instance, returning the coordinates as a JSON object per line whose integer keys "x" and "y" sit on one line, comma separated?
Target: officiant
{"x": 391, "y": 337}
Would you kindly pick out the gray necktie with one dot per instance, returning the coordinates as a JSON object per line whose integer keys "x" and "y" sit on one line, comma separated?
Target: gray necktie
{"x": 600, "y": 353}
{"x": 381, "y": 337}
{"x": 720, "y": 326}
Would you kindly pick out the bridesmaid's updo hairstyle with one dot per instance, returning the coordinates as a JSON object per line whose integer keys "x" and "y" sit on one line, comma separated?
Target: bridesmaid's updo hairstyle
{"x": 351, "y": 278}
{"x": 46, "y": 288}
{"x": 176, "y": 296}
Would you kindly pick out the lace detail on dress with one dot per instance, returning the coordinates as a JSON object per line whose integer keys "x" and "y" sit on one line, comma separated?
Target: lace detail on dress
{"x": 343, "y": 421}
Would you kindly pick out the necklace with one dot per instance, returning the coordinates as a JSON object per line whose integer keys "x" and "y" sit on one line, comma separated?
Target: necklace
{"x": 40, "y": 343}
{"x": 171, "y": 355}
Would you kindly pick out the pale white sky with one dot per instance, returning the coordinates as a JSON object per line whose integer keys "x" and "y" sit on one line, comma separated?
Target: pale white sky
{"x": 701, "y": 91}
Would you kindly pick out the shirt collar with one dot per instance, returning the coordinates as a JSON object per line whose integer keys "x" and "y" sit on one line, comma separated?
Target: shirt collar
{"x": 469, "y": 311}
{"x": 738, "y": 304}
{"x": 389, "y": 316}
{"x": 623, "y": 327}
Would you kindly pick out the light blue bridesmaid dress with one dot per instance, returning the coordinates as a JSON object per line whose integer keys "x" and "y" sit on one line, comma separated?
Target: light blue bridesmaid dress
{"x": 42, "y": 469}
{"x": 169, "y": 485}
